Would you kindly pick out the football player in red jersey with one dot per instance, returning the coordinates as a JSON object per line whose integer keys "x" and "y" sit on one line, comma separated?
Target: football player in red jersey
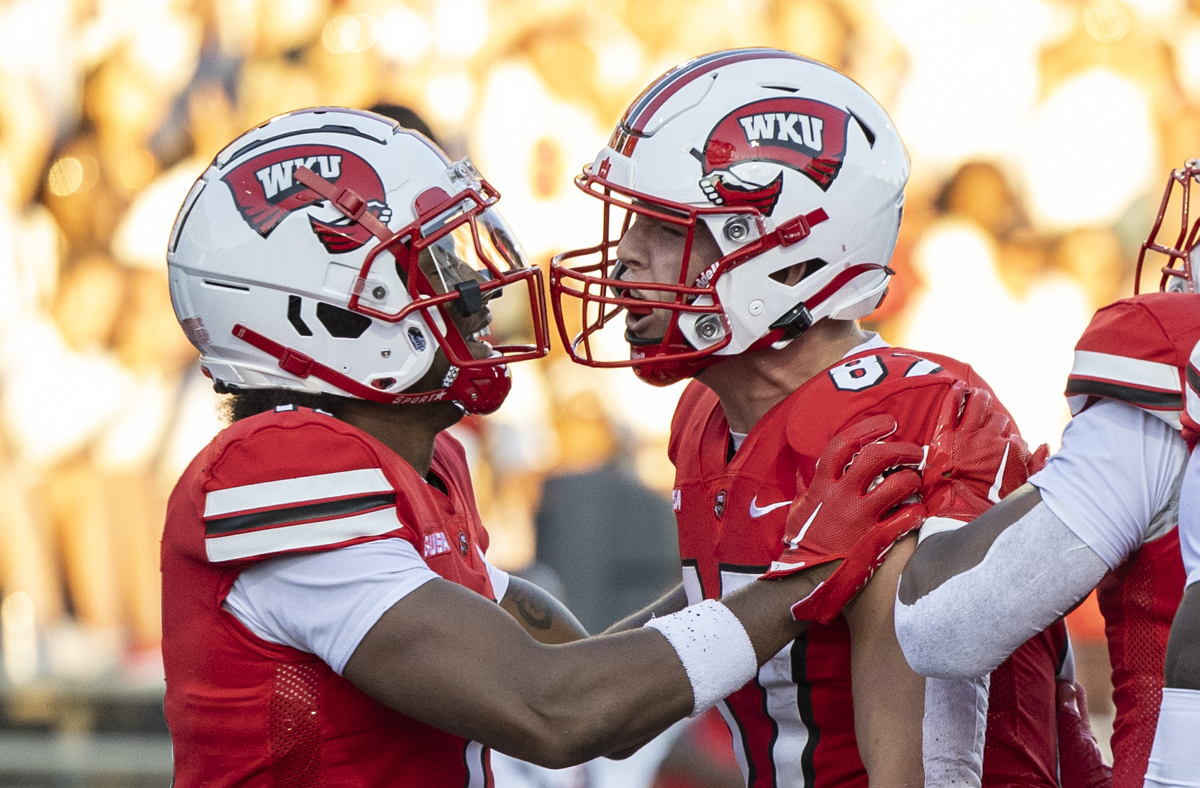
{"x": 1174, "y": 758}
{"x": 329, "y": 616}
{"x": 752, "y": 201}
{"x": 1102, "y": 514}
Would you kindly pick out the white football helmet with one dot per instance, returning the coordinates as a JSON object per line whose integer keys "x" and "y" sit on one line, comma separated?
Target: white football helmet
{"x": 1180, "y": 269}
{"x": 785, "y": 161}
{"x": 331, "y": 250}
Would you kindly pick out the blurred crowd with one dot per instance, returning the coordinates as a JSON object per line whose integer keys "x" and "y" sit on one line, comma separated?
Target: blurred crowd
{"x": 1041, "y": 132}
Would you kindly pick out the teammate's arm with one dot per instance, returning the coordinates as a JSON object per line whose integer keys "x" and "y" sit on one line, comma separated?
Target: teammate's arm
{"x": 889, "y": 697}
{"x": 448, "y": 657}
{"x": 444, "y": 655}
{"x": 539, "y": 613}
{"x": 1114, "y": 474}
{"x": 671, "y": 602}
{"x": 1174, "y": 760}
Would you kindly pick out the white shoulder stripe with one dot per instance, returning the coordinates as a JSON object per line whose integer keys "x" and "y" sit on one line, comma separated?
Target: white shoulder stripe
{"x": 296, "y": 537}
{"x": 1123, "y": 369}
{"x": 299, "y": 490}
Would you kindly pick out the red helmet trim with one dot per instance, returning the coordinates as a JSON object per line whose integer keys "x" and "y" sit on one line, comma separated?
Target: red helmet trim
{"x": 666, "y": 86}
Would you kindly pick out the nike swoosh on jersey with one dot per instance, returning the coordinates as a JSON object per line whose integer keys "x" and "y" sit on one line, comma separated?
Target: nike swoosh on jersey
{"x": 795, "y": 542}
{"x": 757, "y": 512}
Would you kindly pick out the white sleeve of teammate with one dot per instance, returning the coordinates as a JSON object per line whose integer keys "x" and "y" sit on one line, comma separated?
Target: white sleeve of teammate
{"x": 324, "y": 603}
{"x": 1189, "y": 519}
{"x": 1116, "y": 472}
{"x": 1032, "y": 574}
{"x": 952, "y": 732}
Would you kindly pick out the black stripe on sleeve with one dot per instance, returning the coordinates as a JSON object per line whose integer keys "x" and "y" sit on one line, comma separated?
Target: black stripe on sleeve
{"x": 325, "y": 510}
{"x": 1145, "y": 398}
{"x": 1193, "y": 378}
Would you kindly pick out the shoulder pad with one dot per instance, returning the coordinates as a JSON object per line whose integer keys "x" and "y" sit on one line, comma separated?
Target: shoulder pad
{"x": 1135, "y": 351}
{"x": 906, "y": 384}
{"x": 289, "y": 481}
{"x": 1191, "y": 410}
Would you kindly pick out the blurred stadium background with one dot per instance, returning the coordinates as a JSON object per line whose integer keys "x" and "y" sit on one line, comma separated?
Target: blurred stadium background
{"x": 1041, "y": 133}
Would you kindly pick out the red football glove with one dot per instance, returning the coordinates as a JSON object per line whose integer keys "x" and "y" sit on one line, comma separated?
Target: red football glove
{"x": 1080, "y": 763}
{"x": 848, "y": 514}
{"x": 976, "y": 457}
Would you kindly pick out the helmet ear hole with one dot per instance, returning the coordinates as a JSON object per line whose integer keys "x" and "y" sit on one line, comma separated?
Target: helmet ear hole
{"x": 798, "y": 271}
{"x": 342, "y": 323}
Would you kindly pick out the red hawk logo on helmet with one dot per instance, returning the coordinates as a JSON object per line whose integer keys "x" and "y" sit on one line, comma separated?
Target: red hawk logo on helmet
{"x": 266, "y": 192}
{"x": 805, "y": 135}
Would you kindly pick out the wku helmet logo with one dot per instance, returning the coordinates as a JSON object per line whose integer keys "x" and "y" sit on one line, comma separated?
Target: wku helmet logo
{"x": 266, "y": 191}
{"x": 805, "y": 135}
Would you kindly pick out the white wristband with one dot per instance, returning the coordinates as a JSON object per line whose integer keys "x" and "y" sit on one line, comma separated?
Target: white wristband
{"x": 714, "y": 648}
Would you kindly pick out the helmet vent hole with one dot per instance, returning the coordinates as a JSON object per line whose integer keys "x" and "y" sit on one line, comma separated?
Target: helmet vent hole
{"x": 866, "y": 130}
{"x": 342, "y": 323}
{"x": 798, "y": 271}
{"x": 383, "y": 384}
{"x": 294, "y": 317}
{"x": 417, "y": 339}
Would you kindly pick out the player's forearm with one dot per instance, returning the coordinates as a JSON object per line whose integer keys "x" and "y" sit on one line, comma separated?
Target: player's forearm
{"x": 671, "y": 602}
{"x": 611, "y": 693}
{"x": 560, "y": 705}
{"x": 632, "y": 692}
{"x": 545, "y": 618}
{"x": 1028, "y": 576}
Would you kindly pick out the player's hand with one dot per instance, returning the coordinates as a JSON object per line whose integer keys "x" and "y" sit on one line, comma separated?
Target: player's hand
{"x": 976, "y": 456}
{"x": 849, "y": 513}
{"x": 1079, "y": 760}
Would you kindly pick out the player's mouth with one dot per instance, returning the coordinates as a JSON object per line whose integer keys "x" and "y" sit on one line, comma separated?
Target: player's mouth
{"x": 476, "y": 340}
{"x": 641, "y": 326}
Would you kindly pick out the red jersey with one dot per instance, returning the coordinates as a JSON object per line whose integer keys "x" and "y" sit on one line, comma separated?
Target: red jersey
{"x": 793, "y": 725}
{"x": 1136, "y": 351}
{"x": 243, "y": 711}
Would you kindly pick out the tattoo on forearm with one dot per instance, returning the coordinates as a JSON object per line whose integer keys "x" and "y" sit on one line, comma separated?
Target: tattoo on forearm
{"x": 535, "y": 613}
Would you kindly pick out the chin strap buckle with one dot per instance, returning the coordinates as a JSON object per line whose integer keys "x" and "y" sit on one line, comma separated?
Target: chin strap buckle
{"x": 295, "y": 363}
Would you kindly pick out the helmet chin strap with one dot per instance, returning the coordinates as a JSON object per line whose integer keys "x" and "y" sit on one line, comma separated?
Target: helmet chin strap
{"x": 348, "y": 201}
{"x": 296, "y": 363}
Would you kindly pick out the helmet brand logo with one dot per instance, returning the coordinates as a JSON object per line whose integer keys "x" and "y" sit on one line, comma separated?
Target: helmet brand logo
{"x": 795, "y": 133}
{"x": 706, "y": 276}
{"x": 266, "y": 191}
{"x": 433, "y": 396}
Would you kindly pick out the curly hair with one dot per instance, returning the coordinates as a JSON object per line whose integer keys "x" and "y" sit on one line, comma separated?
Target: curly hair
{"x": 243, "y": 403}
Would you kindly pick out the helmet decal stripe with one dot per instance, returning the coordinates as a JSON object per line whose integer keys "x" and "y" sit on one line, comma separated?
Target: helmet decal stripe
{"x": 643, "y": 109}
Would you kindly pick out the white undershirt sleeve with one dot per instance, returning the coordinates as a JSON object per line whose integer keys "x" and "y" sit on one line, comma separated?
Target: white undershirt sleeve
{"x": 324, "y": 603}
{"x": 1189, "y": 519}
{"x": 497, "y": 577}
{"x": 1115, "y": 478}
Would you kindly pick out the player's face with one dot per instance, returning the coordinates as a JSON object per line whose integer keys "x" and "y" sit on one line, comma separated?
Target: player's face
{"x": 445, "y": 268}
{"x": 651, "y": 252}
